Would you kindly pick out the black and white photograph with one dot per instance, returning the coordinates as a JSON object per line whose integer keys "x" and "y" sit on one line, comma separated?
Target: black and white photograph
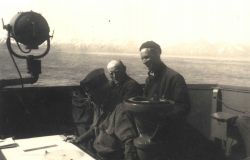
{"x": 125, "y": 80}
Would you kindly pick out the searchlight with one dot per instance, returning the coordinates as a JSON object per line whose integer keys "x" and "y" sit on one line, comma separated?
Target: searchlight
{"x": 29, "y": 30}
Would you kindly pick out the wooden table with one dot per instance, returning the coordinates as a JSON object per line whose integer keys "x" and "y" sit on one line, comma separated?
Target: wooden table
{"x": 44, "y": 148}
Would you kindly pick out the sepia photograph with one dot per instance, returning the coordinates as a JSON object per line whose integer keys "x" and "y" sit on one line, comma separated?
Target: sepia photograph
{"x": 125, "y": 80}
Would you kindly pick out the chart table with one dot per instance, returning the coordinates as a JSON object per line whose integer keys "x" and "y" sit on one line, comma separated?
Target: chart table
{"x": 44, "y": 148}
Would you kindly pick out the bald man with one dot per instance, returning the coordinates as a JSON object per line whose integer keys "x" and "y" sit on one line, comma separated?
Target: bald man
{"x": 123, "y": 86}
{"x": 107, "y": 143}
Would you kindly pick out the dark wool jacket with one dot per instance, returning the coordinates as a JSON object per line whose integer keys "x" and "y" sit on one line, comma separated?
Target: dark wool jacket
{"x": 126, "y": 89}
{"x": 169, "y": 84}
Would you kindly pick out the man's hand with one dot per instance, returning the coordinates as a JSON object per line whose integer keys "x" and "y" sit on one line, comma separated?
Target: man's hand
{"x": 72, "y": 139}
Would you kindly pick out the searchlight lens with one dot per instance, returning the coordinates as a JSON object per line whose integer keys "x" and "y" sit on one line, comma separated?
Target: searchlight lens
{"x": 29, "y": 28}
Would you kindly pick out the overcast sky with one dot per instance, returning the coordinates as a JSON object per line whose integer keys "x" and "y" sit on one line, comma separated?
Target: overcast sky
{"x": 119, "y": 21}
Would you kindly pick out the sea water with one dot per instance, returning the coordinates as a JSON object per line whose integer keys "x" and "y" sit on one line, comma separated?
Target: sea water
{"x": 64, "y": 68}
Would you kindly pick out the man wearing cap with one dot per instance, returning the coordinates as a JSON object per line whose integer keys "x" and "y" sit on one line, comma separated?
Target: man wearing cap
{"x": 163, "y": 82}
{"x": 122, "y": 86}
{"x": 97, "y": 88}
{"x": 90, "y": 102}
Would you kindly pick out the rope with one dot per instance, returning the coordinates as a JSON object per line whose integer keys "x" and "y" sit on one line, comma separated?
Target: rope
{"x": 15, "y": 64}
{"x": 230, "y": 107}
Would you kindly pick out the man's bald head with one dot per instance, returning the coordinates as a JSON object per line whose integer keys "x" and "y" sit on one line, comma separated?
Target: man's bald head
{"x": 115, "y": 65}
{"x": 117, "y": 70}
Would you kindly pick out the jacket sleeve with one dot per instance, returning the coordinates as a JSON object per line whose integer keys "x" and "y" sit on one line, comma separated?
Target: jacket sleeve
{"x": 132, "y": 90}
{"x": 180, "y": 97}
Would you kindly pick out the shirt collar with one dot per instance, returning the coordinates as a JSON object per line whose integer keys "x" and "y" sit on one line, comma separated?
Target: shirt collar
{"x": 159, "y": 70}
